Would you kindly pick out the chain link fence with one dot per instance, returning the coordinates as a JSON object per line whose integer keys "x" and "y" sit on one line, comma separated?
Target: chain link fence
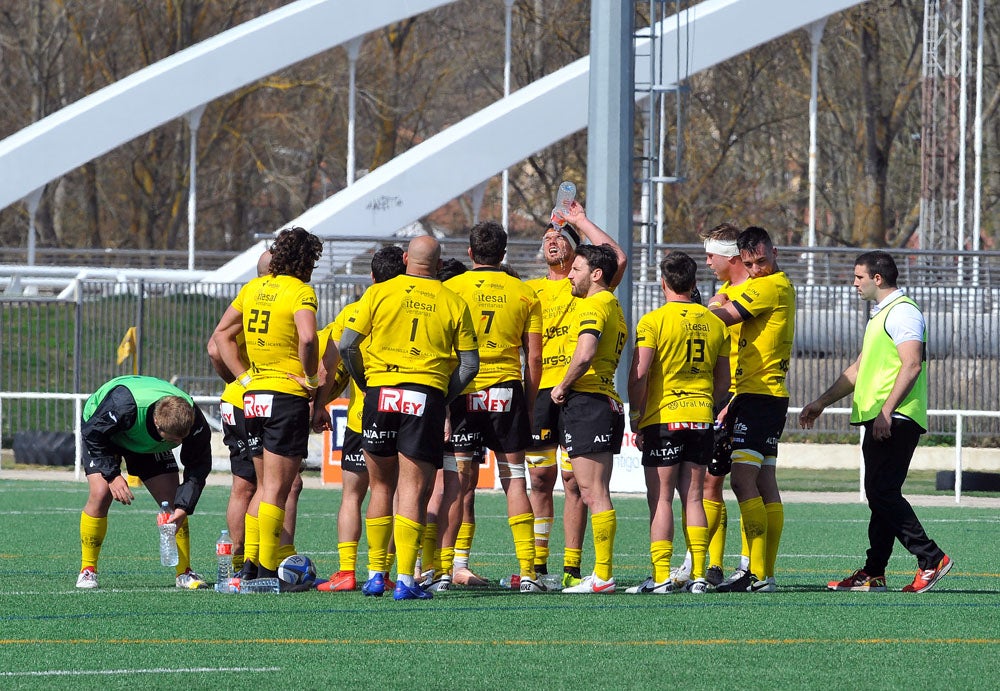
{"x": 71, "y": 345}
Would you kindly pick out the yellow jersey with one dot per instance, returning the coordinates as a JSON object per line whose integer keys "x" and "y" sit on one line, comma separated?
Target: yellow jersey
{"x": 687, "y": 340}
{"x": 233, "y": 393}
{"x": 268, "y": 305}
{"x": 356, "y": 397}
{"x": 601, "y": 315}
{"x": 557, "y": 305}
{"x": 504, "y": 309}
{"x": 765, "y": 346}
{"x": 416, "y": 325}
{"x": 734, "y": 335}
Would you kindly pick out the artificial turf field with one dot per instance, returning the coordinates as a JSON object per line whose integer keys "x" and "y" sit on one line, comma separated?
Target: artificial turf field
{"x": 137, "y": 630}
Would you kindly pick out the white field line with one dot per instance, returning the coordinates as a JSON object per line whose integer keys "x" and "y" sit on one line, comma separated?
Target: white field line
{"x": 153, "y": 670}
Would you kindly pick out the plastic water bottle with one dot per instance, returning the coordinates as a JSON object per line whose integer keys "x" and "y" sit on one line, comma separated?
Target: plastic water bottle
{"x": 552, "y": 581}
{"x": 564, "y": 197}
{"x": 168, "y": 536}
{"x": 224, "y": 553}
{"x": 260, "y": 585}
{"x": 511, "y": 583}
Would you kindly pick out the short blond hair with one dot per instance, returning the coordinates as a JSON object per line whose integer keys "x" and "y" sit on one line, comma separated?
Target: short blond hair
{"x": 174, "y": 416}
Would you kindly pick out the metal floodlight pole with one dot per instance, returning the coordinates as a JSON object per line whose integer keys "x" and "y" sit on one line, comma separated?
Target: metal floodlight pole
{"x": 193, "y": 118}
{"x": 353, "y": 50}
{"x": 505, "y": 175}
{"x": 815, "y": 36}
{"x": 977, "y": 185}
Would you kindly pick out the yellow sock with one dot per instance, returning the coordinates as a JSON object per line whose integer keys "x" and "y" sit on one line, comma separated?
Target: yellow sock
{"x": 775, "y": 524}
{"x": 755, "y": 526}
{"x": 572, "y": 558}
{"x": 428, "y": 561}
{"x": 660, "y": 553}
{"x": 543, "y": 526}
{"x": 92, "y": 532}
{"x": 270, "y": 519}
{"x": 348, "y": 552}
{"x": 390, "y": 559}
{"x": 183, "y": 547}
{"x": 378, "y": 531}
{"x": 718, "y": 521}
{"x": 238, "y": 560}
{"x": 446, "y": 559}
{"x": 697, "y": 540}
{"x": 744, "y": 545}
{"x": 522, "y": 528}
{"x": 463, "y": 545}
{"x": 407, "y": 534}
{"x": 604, "y": 525}
{"x": 285, "y": 551}
{"x": 251, "y": 544}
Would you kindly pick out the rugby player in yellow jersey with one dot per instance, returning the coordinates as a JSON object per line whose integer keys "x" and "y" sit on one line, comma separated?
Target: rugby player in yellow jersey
{"x": 765, "y": 307}
{"x": 241, "y": 461}
{"x": 556, "y": 296}
{"x": 386, "y": 263}
{"x": 493, "y": 410}
{"x": 679, "y": 373}
{"x": 723, "y": 257}
{"x": 278, "y": 314}
{"x": 593, "y": 418}
{"x": 419, "y": 331}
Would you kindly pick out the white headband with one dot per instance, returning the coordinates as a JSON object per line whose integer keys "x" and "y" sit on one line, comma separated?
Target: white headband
{"x": 722, "y": 248}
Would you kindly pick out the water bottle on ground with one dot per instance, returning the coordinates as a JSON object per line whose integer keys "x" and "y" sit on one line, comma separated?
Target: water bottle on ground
{"x": 511, "y": 583}
{"x": 168, "y": 536}
{"x": 260, "y": 585}
{"x": 564, "y": 197}
{"x": 552, "y": 581}
{"x": 224, "y": 553}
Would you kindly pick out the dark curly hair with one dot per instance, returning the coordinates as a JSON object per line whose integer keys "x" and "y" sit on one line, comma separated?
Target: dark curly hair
{"x": 294, "y": 253}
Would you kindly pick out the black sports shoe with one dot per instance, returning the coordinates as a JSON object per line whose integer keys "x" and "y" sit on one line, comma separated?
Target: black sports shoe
{"x": 248, "y": 572}
{"x": 266, "y": 573}
{"x": 739, "y": 585}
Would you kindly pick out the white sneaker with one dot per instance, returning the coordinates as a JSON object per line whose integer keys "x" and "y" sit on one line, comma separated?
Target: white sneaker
{"x": 529, "y": 585}
{"x": 440, "y": 584}
{"x": 680, "y": 575}
{"x": 189, "y": 580}
{"x": 592, "y": 584}
{"x": 766, "y": 585}
{"x": 87, "y": 579}
{"x": 649, "y": 586}
{"x": 698, "y": 586}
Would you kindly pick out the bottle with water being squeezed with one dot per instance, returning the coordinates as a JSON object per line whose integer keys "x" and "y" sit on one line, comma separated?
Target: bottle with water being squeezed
{"x": 564, "y": 197}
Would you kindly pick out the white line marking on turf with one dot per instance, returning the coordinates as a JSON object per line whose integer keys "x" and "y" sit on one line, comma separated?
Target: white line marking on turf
{"x": 155, "y": 670}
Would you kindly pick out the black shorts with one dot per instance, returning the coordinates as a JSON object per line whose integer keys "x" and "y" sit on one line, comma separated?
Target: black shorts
{"x": 546, "y": 421}
{"x": 141, "y": 465}
{"x": 592, "y": 423}
{"x": 234, "y": 434}
{"x": 406, "y": 419}
{"x": 466, "y": 436}
{"x": 277, "y": 422}
{"x": 673, "y": 443}
{"x": 497, "y": 415}
{"x": 351, "y": 458}
{"x": 757, "y": 421}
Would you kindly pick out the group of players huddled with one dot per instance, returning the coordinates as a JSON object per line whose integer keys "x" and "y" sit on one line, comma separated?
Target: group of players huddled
{"x": 444, "y": 362}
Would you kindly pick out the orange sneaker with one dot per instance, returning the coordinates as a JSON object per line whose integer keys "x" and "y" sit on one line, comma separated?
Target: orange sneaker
{"x": 926, "y": 578}
{"x": 340, "y": 582}
{"x": 469, "y": 578}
